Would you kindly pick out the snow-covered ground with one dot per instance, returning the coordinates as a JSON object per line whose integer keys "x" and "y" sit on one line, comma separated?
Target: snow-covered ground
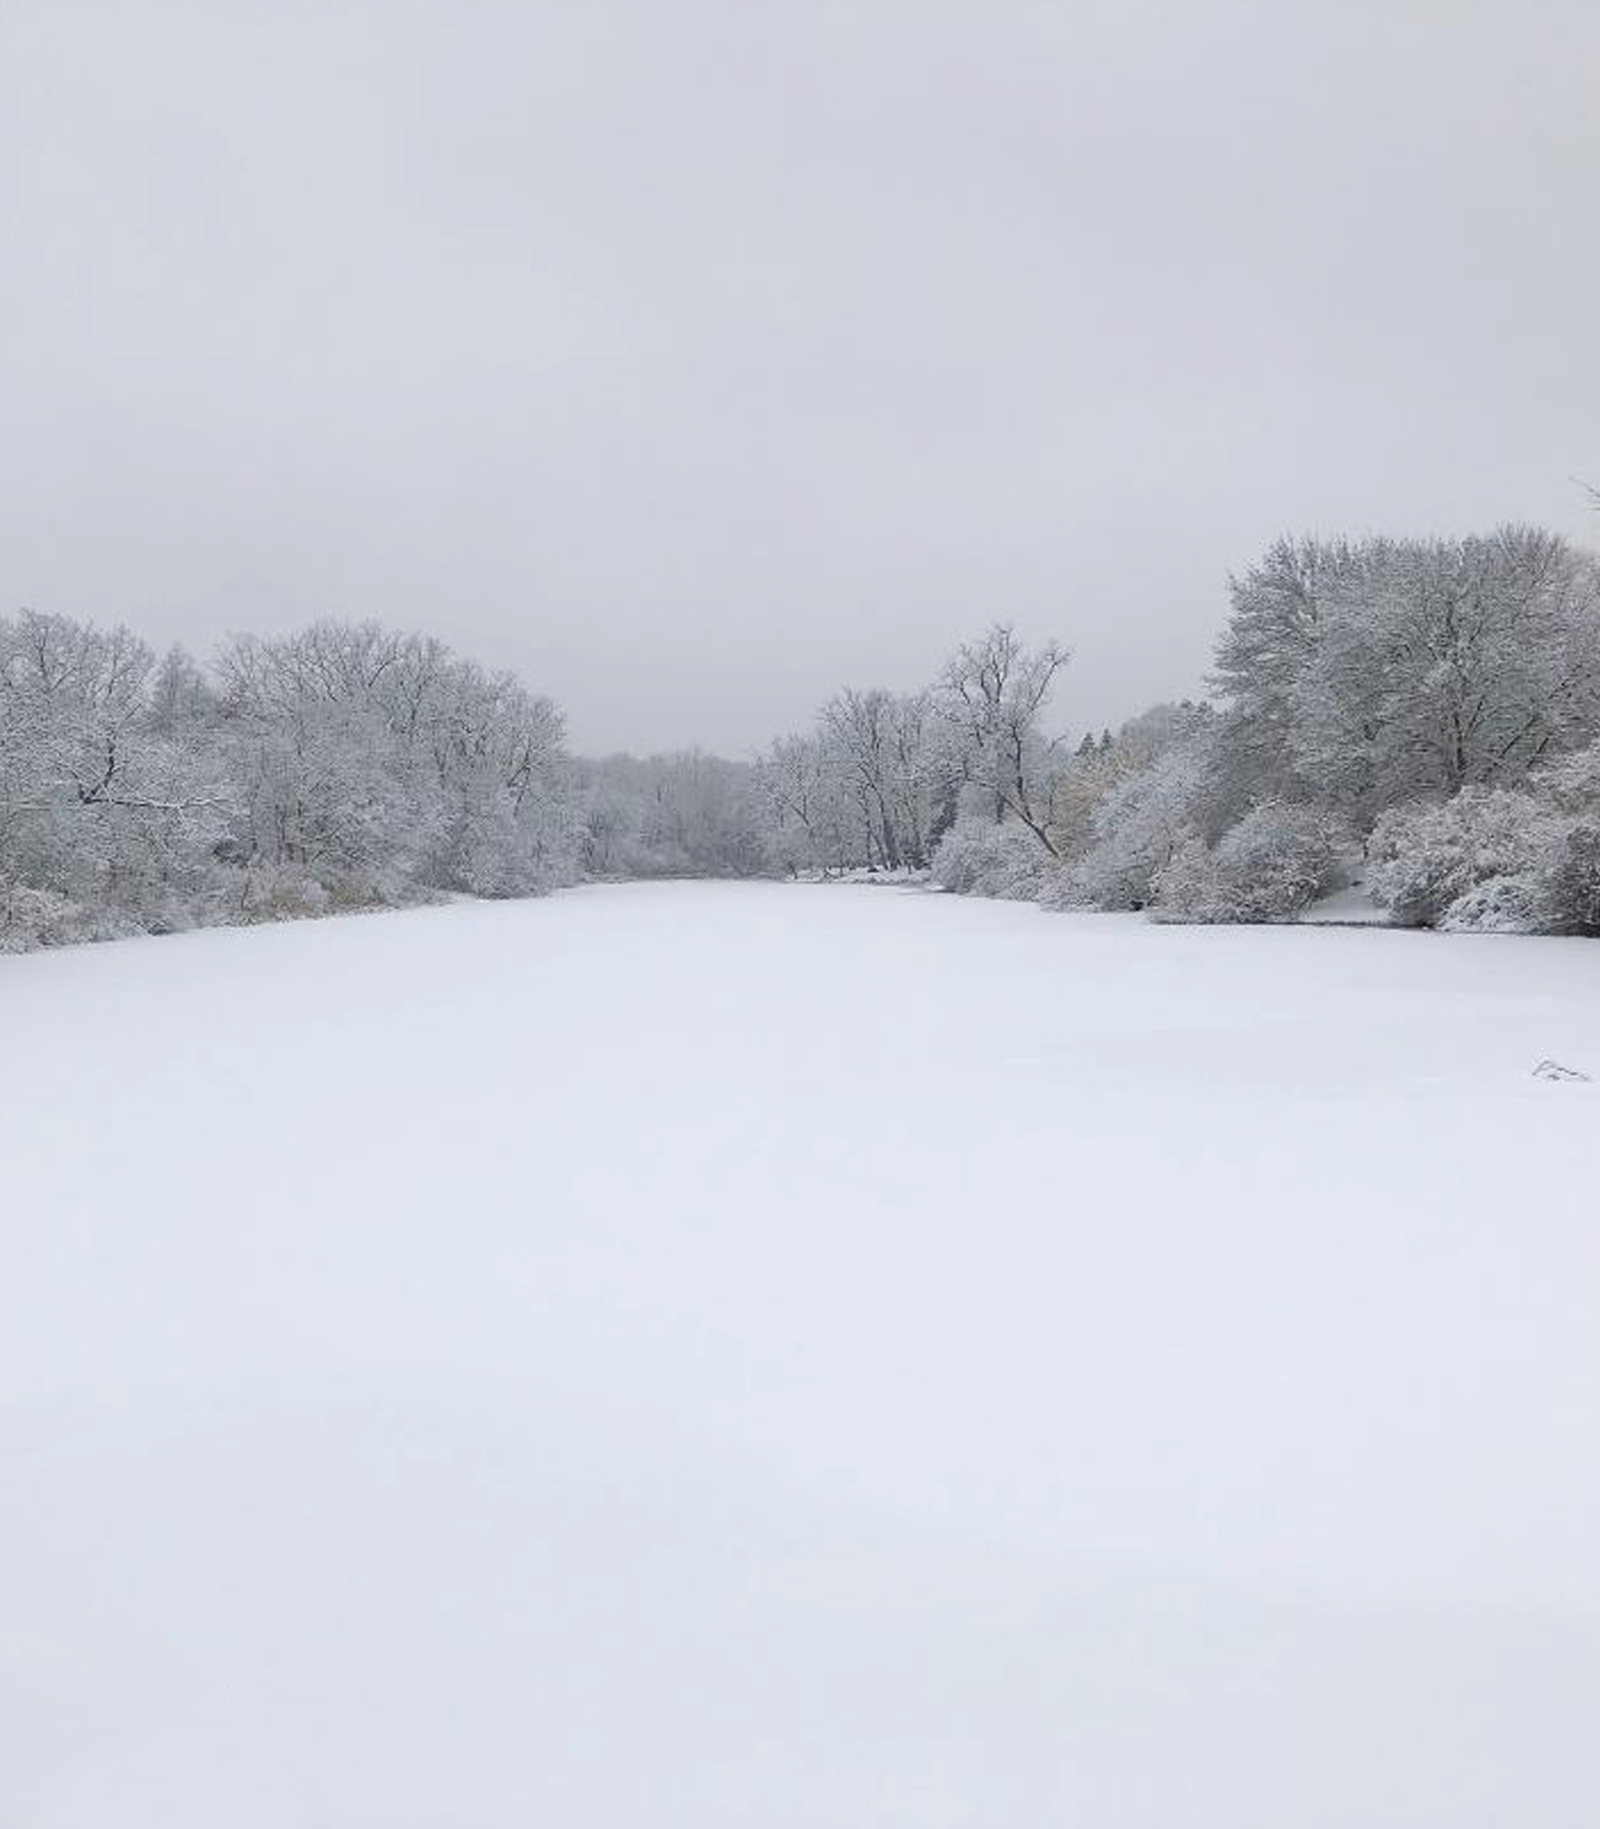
{"x": 1351, "y": 906}
{"x": 799, "y": 1358}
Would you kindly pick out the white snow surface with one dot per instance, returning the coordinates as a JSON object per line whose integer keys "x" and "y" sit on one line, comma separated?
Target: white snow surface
{"x": 1351, "y": 906}
{"x": 799, "y": 1358}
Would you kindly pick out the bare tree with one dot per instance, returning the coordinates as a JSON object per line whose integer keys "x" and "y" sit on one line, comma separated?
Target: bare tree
{"x": 992, "y": 695}
{"x": 877, "y": 740}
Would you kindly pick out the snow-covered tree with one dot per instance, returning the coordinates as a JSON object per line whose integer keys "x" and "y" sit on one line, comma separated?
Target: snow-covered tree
{"x": 1142, "y": 824}
{"x": 883, "y": 749}
{"x": 380, "y": 764}
{"x": 1272, "y": 635}
{"x": 97, "y": 805}
{"x": 682, "y": 814}
{"x": 343, "y": 764}
{"x": 1449, "y": 664}
{"x": 992, "y": 696}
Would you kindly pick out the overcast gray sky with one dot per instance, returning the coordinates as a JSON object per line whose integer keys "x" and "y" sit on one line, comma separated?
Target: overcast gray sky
{"x": 694, "y": 357}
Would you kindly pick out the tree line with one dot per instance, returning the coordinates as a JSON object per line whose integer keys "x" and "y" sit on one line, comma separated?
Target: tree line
{"x": 1423, "y": 715}
{"x": 340, "y": 767}
{"x": 1419, "y": 715}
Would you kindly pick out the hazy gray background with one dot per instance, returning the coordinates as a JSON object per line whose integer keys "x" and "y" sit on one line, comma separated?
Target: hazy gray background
{"x": 697, "y": 356}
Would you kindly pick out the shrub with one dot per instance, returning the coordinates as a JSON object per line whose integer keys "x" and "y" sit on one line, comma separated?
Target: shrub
{"x": 1273, "y": 864}
{"x": 1425, "y": 859}
{"x": 1571, "y": 883}
{"x": 1501, "y": 905}
{"x": 983, "y": 857}
{"x": 280, "y": 892}
{"x": 1111, "y": 876}
{"x": 1140, "y": 828}
{"x": 31, "y": 918}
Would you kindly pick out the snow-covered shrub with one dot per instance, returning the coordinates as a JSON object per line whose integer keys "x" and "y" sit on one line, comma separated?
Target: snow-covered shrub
{"x": 1115, "y": 875}
{"x": 1571, "y": 874}
{"x": 1570, "y": 888}
{"x": 1140, "y": 827}
{"x": 1502, "y": 905}
{"x": 962, "y": 856}
{"x": 497, "y": 848}
{"x": 31, "y": 918}
{"x": 983, "y": 857}
{"x": 1426, "y": 858}
{"x": 279, "y": 892}
{"x": 1190, "y": 886}
{"x": 1273, "y": 863}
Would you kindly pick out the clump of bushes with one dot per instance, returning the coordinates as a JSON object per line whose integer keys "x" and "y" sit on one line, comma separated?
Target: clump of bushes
{"x": 985, "y": 857}
{"x": 1479, "y": 860}
{"x": 31, "y": 918}
{"x": 1270, "y": 866}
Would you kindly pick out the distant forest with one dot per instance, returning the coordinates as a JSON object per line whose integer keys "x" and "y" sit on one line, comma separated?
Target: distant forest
{"x": 1421, "y": 715}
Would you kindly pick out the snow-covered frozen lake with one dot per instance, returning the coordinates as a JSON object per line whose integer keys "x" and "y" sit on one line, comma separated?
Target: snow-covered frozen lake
{"x": 799, "y": 1358}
